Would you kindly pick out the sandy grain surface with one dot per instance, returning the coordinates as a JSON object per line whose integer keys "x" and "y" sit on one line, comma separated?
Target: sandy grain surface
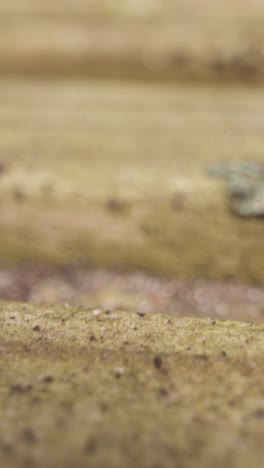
{"x": 82, "y": 386}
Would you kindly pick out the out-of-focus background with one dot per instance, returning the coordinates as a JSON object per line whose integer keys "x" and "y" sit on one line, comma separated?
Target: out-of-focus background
{"x": 116, "y": 119}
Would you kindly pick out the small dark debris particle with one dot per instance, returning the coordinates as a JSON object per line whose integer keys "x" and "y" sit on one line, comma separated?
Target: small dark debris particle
{"x": 12, "y": 317}
{"x": 119, "y": 371}
{"x": 169, "y": 322}
{"x": 92, "y": 338}
{"x": 157, "y": 362}
{"x": 224, "y": 353}
{"x": 6, "y": 447}
{"x": 107, "y": 311}
{"x": 18, "y": 194}
{"x": 3, "y": 167}
{"x": 20, "y": 388}
{"x": 231, "y": 403}
{"x": 203, "y": 357}
{"x": 126, "y": 342}
{"x": 258, "y": 413}
{"x": 104, "y": 407}
{"x": 47, "y": 379}
{"x": 178, "y": 201}
{"x": 163, "y": 391}
{"x": 36, "y": 328}
{"x": 90, "y": 445}
{"x": 213, "y": 322}
{"x": 141, "y": 314}
{"x": 189, "y": 348}
{"x": 135, "y": 328}
{"x": 116, "y": 205}
{"x": 28, "y": 435}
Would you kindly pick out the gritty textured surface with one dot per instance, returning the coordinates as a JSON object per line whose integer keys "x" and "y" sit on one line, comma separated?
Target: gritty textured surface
{"x": 85, "y": 387}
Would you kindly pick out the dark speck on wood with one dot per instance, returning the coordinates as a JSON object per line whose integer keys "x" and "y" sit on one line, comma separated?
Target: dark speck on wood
{"x": 157, "y": 362}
